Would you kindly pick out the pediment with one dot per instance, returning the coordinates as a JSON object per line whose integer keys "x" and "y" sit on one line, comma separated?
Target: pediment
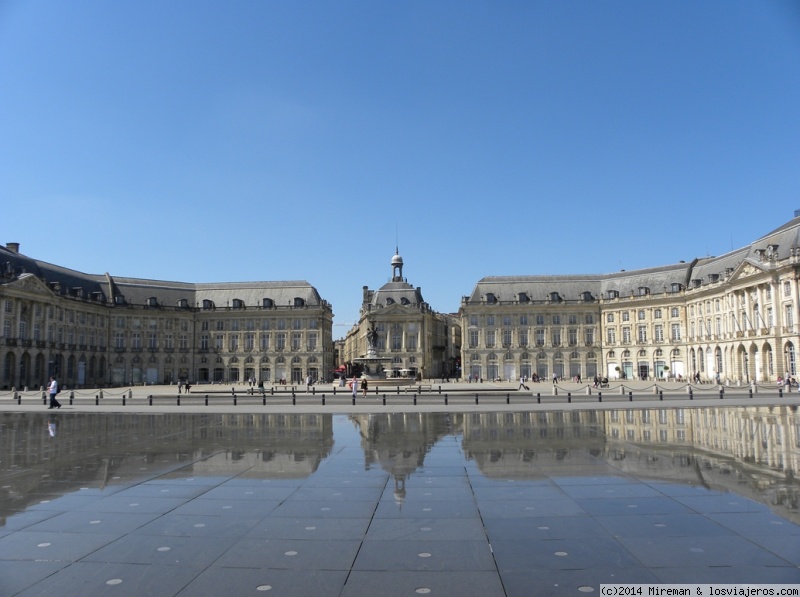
{"x": 29, "y": 283}
{"x": 747, "y": 269}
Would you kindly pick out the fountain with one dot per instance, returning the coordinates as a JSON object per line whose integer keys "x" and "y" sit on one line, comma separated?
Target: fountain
{"x": 372, "y": 364}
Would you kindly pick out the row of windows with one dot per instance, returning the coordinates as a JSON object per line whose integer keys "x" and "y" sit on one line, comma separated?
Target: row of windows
{"x": 508, "y": 320}
{"x": 539, "y": 335}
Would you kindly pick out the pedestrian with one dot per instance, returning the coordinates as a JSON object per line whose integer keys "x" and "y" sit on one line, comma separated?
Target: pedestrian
{"x": 53, "y": 390}
{"x": 188, "y": 387}
{"x": 308, "y": 383}
{"x": 555, "y": 378}
{"x": 354, "y": 386}
{"x": 364, "y": 386}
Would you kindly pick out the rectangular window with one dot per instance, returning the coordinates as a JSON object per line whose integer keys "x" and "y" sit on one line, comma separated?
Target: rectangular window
{"x": 506, "y": 320}
{"x": 204, "y": 342}
{"x": 169, "y": 343}
{"x": 297, "y": 324}
{"x": 490, "y": 320}
{"x": 556, "y": 319}
{"x": 249, "y": 341}
{"x": 787, "y": 288}
{"x": 218, "y": 342}
{"x": 789, "y": 316}
{"x": 473, "y": 320}
{"x": 523, "y": 320}
{"x": 676, "y": 332}
{"x": 152, "y": 341}
{"x": 184, "y": 341}
{"x": 611, "y": 335}
{"x": 411, "y": 342}
{"x": 523, "y": 337}
{"x": 540, "y": 320}
{"x": 297, "y": 339}
{"x": 136, "y": 340}
{"x": 589, "y": 334}
{"x": 626, "y": 316}
{"x": 626, "y": 335}
{"x": 280, "y": 341}
{"x": 264, "y": 341}
{"x": 642, "y": 333}
{"x": 506, "y": 338}
{"x": 539, "y": 337}
{"x": 234, "y": 342}
{"x": 473, "y": 338}
{"x": 610, "y": 318}
{"x": 312, "y": 341}
{"x": 235, "y": 325}
{"x": 572, "y": 334}
{"x": 119, "y": 340}
{"x": 573, "y": 320}
{"x": 490, "y": 339}
{"x": 658, "y": 332}
{"x": 556, "y": 334}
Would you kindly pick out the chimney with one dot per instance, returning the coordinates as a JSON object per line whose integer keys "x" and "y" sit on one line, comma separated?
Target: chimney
{"x": 13, "y": 247}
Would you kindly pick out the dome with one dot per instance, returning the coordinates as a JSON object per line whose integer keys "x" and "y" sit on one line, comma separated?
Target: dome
{"x": 397, "y": 260}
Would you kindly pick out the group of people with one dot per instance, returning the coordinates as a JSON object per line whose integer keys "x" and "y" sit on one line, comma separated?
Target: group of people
{"x": 354, "y": 386}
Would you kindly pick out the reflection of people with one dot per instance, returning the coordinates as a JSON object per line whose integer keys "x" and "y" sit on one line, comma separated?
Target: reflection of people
{"x": 51, "y": 428}
{"x": 53, "y": 390}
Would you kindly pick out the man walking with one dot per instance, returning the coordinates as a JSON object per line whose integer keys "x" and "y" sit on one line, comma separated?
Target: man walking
{"x": 52, "y": 388}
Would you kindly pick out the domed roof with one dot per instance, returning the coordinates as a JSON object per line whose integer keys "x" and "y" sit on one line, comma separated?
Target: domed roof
{"x": 397, "y": 260}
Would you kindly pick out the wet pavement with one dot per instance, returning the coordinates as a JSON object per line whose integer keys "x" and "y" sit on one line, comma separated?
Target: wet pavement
{"x": 470, "y": 503}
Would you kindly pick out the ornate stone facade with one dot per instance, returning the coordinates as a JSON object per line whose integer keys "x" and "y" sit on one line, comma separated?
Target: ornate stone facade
{"x": 98, "y": 331}
{"x": 731, "y": 318}
{"x": 418, "y": 340}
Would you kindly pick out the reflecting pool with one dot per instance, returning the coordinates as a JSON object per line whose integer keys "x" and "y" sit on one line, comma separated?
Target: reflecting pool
{"x": 476, "y": 503}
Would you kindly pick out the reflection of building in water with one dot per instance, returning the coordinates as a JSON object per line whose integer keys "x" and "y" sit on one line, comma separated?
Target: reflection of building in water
{"x": 532, "y": 444}
{"x": 753, "y": 451}
{"x": 91, "y": 449}
{"x": 398, "y": 442}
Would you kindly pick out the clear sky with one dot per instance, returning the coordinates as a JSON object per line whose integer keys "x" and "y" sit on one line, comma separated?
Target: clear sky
{"x": 215, "y": 141}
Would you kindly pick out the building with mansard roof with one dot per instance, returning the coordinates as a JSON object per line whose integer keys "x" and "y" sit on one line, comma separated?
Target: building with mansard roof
{"x": 100, "y": 330}
{"x": 415, "y": 339}
{"x": 731, "y": 318}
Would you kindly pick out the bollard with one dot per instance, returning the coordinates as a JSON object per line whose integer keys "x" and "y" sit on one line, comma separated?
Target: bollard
{"x": 323, "y": 400}
{"x": 272, "y": 391}
{"x": 19, "y": 399}
{"x": 780, "y": 392}
{"x": 415, "y": 399}
{"x": 599, "y": 396}
{"x": 151, "y": 399}
{"x": 16, "y": 395}
{"x": 691, "y": 395}
{"x": 538, "y": 398}
{"x": 44, "y": 398}
{"x": 334, "y": 390}
{"x": 123, "y": 398}
{"x": 398, "y": 390}
{"x": 234, "y": 399}
{"x": 508, "y": 399}
{"x": 445, "y": 399}
{"x": 179, "y": 400}
{"x": 294, "y": 400}
{"x": 750, "y": 391}
{"x": 313, "y": 390}
{"x": 440, "y": 389}
{"x": 206, "y": 399}
{"x": 721, "y": 393}
{"x": 569, "y": 397}
{"x": 384, "y": 399}
{"x": 96, "y": 400}
{"x": 630, "y": 396}
{"x": 263, "y": 400}
{"x": 476, "y": 399}
{"x": 71, "y": 396}
{"x": 661, "y": 396}
{"x": 354, "y": 400}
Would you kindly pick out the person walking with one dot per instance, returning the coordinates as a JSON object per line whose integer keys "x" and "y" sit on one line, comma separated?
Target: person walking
{"x": 354, "y": 386}
{"x": 364, "y": 386}
{"x": 52, "y": 388}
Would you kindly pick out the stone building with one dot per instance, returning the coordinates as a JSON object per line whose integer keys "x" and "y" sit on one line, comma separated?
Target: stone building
{"x": 731, "y": 319}
{"x": 417, "y": 339}
{"x": 100, "y": 330}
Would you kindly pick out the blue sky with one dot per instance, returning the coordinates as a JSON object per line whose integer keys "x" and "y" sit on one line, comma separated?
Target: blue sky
{"x": 261, "y": 140}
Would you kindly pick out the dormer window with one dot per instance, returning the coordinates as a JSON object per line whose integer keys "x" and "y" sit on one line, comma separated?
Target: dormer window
{"x": 208, "y": 304}
{"x": 613, "y": 294}
{"x": 238, "y": 303}
{"x": 389, "y": 301}
{"x": 696, "y": 283}
{"x": 267, "y": 303}
{"x": 523, "y": 297}
{"x": 299, "y": 302}
{"x": 183, "y": 303}
{"x": 152, "y": 302}
{"x": 404, "y": 301}
{"x": 554, "y": 297}
{"x": 491, "y": 298}
{"x": 676, "y": 287}
{"x": 587, "y": 296}
{"x": 644, "y": 291}
{"x": 713, "y": 277}
{"x": 119, "y": 300}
